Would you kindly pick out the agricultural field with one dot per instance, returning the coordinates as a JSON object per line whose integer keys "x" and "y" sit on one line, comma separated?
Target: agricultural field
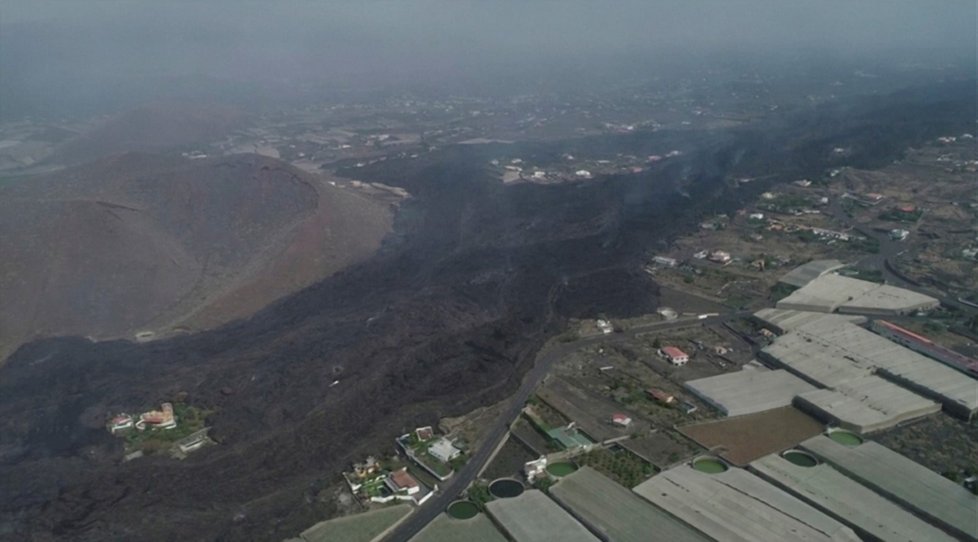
{"x": 618, "y": 464}
{"x": 509, "y": 461}
{"x": 357, "y": 528}
{"x": 663, "y": 449}
{"x": 745, "y": 438}
{"x": 590, "y": 411}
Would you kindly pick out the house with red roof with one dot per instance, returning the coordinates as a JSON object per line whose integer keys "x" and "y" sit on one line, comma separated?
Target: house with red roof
{"x": 401, "y": 481}
{"x": 674, "y": 355}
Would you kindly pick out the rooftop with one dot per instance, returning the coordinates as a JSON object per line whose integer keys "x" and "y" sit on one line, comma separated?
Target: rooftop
{"x": 749, "y": 390}
{"x": 829, "y": 293}
{"x": 784, "y": 320}
{"x": 534, "y": 517}
{"x": 866, "y": 404}
{"x": 737, "y": 506}
{"x": 673, "y": 352}
{"x": 445, "y": 528}
{"x": 832, "y": 352}
{"x": 844, "y": 498}
{"x": 803, "y": 274}
{"x": 402, "y": 479}
{"x": 925, "y": 492}
{"x": 616, "y": 512}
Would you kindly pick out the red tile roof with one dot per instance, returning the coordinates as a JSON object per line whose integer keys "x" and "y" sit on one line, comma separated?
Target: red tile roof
{"x": 674, "y": 352}
{"x": 403, "y": 480}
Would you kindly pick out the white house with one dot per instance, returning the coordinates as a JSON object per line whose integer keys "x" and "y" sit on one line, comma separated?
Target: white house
{"x": 443, "y": 450}
{"x": 400, "y": 481}
{"x": 674, "y": 355}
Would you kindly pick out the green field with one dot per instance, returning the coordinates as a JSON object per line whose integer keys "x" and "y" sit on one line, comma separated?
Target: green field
{"x": 357, "y": 528}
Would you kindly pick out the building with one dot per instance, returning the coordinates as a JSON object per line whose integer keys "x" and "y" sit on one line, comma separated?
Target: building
{"x": 737, "y": 506}
{"x": 443, "y": 450}
{"x": 424, "y": 433}
{"x": 916, "y": 488}
{"x": 749, "y": 390}
{"x": 369, "y": 467}
{"x": 720, "y": 257}
{"x": 835, "y": 293}
{"x": 850, "y": 360}
{"x": 803, "y": 274}
{"x": 925, "y": 346}
{"x": 401, "y": 481}
{"x": 160, "y": 419}
{"x": 674, "y": 355}
{"x": 843, "y": 498}
{"x": 665, "y": 261}
{"x": 661, "y": 397}
{"x": 120, "y": 422}
{"x": 620, "y": 419}
{"x": 193, "y": 441}
{"x": 536, "y": 468}
{"x": 605, "y": 326}
{"x": 899, "y": 235}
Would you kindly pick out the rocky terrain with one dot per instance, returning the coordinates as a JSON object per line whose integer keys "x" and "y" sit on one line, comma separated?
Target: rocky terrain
{"x": 142, "y": 242}
{"x": 444, "y": 319}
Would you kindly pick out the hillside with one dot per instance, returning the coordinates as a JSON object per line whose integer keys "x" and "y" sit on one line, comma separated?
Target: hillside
{"x": 151, "y": 128}
{"x": 145, "y": 242}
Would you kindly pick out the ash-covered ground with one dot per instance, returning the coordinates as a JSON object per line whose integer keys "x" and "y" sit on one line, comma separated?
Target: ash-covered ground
{"x": 445, "y": 318}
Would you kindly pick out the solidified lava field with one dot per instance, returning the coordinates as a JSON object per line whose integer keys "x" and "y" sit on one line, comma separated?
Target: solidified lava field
{"x": 445, "y": 318}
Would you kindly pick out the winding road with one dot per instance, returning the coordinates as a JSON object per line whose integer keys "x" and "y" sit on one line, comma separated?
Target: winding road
{"x": 497, "y": 432}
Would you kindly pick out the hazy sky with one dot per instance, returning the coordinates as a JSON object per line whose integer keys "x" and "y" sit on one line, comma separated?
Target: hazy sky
{"x": 79, "y": 45}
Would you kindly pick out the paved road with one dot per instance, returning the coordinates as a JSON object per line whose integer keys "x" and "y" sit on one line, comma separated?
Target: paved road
{"x": 544, "y": 361}
{"x": 882, "y": 261}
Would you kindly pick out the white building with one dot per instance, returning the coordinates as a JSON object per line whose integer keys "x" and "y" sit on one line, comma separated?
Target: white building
{"x": 898, "y": 234}
{"x": 535, "y": 468}
{"x": 443, "y": 450}
{"x": 674, "y": 355}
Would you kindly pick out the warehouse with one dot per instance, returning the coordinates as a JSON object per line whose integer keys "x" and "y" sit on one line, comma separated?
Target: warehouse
{"x": 844, "y": 499}
{"x": 615, "y": 512}
{"x": 533, "y": 517}
{"x": 749, "y": 390}
{"x": 924, "y": 492}
{"x": 831, "y": 293}
{"x": 828, "y": 353}
{"x": 865, "y": 404}
{"x": 737, "y": 506}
